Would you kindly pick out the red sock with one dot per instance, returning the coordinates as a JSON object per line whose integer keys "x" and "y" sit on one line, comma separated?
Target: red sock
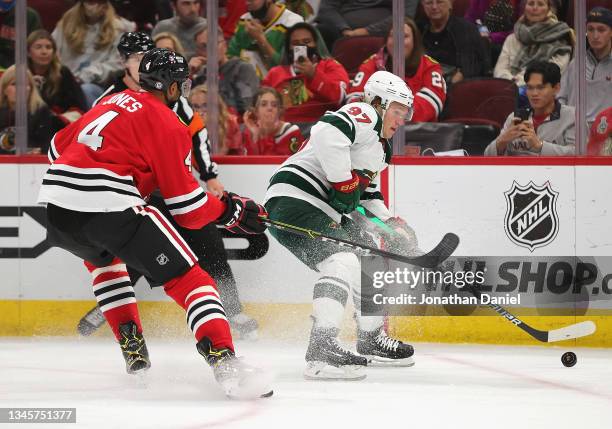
{"x": 115, "y": 294}
{"x": 197, "y": 293}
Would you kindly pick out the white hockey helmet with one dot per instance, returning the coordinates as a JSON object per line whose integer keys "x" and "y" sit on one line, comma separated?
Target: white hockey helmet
{"x": 389, "y": 88}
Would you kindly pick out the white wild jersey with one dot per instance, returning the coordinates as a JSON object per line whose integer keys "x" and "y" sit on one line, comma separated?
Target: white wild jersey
{"x": 345, "y": 140}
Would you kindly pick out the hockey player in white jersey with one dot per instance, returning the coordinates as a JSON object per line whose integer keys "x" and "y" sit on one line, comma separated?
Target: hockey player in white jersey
{"x": 337, "y": 170}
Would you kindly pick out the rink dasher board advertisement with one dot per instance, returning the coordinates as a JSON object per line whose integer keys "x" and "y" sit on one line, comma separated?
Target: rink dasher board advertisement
{"x": 467, "y": 200}
{"x": 480, "y": 203}
{"x": 54, "y": 274}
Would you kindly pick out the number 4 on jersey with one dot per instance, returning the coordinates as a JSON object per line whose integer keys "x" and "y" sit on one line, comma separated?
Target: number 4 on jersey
{"x": 90, "y": 134}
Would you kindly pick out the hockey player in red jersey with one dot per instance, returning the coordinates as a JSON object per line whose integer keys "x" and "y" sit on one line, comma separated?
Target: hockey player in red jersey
{"x": 423, "y": 75}
{"x": 206, "y": 242}
{"x": 103, "y": 168}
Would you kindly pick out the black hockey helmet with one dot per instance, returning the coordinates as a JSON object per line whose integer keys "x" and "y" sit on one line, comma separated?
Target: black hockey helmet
{"x": 160, "y": 67}
{"x": 134, "y": 42}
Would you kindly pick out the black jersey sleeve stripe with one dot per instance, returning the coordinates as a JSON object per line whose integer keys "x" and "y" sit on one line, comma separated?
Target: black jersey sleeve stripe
{"x": 89, "y": 176}
{"x": 89, "y": 188}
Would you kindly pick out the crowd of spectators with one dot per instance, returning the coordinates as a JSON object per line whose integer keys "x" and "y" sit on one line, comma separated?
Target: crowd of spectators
{"x": 277, "y": 76}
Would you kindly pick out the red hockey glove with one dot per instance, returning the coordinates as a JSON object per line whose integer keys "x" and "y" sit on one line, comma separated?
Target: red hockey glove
{"x": 242, "y": 215}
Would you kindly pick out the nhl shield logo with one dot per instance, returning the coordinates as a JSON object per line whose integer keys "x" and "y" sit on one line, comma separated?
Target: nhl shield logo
{"x": 531, "y": 215}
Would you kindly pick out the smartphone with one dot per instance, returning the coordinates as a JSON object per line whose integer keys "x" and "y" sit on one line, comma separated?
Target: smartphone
{"x": 522, "y": 114}
{"x": 299, "y": 52}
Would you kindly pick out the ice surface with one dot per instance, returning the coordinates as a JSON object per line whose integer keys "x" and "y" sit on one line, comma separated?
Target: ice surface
{"x": 451, "y": 386}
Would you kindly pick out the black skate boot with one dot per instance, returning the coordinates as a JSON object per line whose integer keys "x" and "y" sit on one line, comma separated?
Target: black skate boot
{"x": 380, "y": 349}
{"x": 326, "y": 359}
{"x": 133, "y": 348}
{"x": 91, "y": 322}
{"x": 238, "y": 380}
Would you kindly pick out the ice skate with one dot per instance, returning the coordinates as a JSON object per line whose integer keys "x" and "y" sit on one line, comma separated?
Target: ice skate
{"x": 382, "y": 350}
{"x": 326, "y": 359}
{"x": 238, "y": 380}
{"x": 244, "y": 326}
{"x": 134, "y": 349}
{"x": 91, "y": 322}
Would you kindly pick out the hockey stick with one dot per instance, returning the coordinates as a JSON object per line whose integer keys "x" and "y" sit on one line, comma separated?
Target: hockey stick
{"x": 429, "y": 260}
{"x": 576, "y": 330}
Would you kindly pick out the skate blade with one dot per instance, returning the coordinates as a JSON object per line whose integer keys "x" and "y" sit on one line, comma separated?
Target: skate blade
{"x": 248, "y": 387}
{"x": 323, "y": 371}
{"x": 85, "y": 329}
{"x": 140, "y": 378}
{"x": 377, "y": 361}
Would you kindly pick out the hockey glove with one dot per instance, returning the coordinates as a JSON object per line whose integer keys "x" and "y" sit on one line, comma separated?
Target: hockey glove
{"x": 242, "y": 215}
{"x": 344, "y": 196}
{"x": 403, "y": 241}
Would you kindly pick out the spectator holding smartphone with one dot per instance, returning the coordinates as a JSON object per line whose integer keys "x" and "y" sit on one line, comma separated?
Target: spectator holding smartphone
{"x": 309, "y": 81}
{"x": 548, "y": 128}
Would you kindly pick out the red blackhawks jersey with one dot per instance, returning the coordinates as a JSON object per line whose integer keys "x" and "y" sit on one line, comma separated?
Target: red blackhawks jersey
{"x": 120, "y": 151}
{"x": 427, "y": 84}
{"x": 306, "y": 99}
{"x": 287, "y": 142}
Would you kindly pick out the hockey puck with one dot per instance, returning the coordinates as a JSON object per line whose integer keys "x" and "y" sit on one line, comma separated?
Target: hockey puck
{"x": 569, "y": 359}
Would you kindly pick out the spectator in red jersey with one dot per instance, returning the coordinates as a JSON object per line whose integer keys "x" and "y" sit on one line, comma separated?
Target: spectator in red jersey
{"x": 600, "y": 137}
{"x": 423, "y": 74}
{"x": 266, "y": 133}
{"x": 42, "y": 122}
{"x": 229, "y": 131}
{"x": 310, "y": 82}
{"x": 56, "y": 83}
